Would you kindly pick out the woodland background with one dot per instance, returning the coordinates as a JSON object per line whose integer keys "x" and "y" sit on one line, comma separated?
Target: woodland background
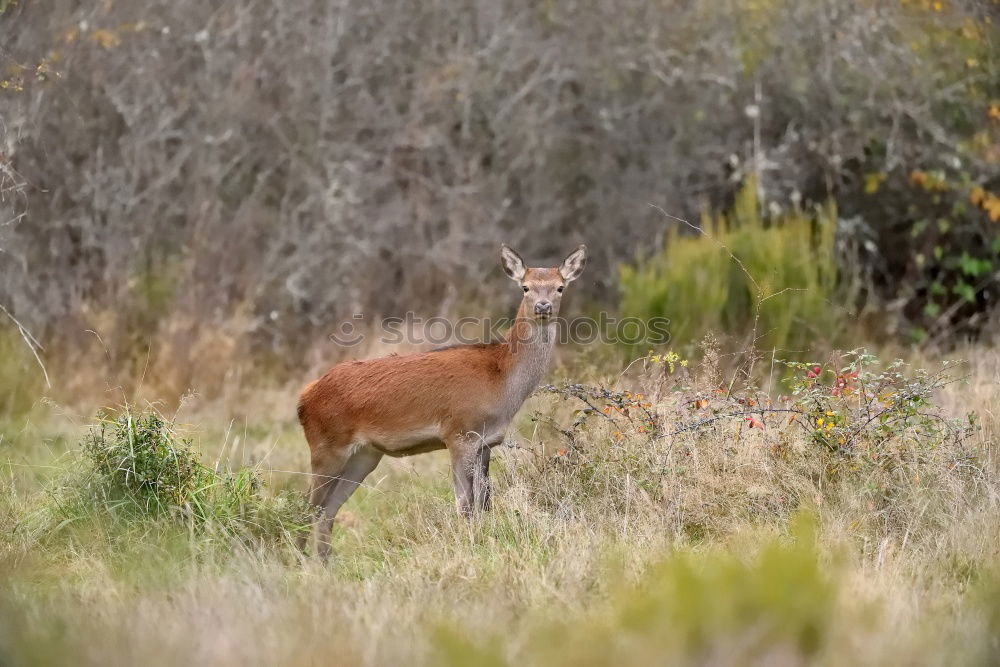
{"x": 197, "y": 183}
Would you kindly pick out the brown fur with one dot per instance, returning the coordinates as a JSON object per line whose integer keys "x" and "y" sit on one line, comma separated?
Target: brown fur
{"x": 402, "y": 393}
{"x": 461, "y": 398}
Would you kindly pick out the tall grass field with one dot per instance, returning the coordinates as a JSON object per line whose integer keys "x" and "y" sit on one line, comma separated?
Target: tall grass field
{"x": 836, "y": 512}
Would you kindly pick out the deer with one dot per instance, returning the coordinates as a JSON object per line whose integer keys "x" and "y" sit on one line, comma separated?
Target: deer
{"x": 461, "y": 398}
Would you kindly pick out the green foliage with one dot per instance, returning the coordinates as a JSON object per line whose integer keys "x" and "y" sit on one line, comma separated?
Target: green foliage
{"x": 693, "y": 607}
{"x": 141, "y": 469}
{"x": 780, "y": 599}
{"x": 949, "y": 248}
{"x": 868, "y": 414}
{"x": 745, "y": 274}
{"x": 140, "y": 459}
{"x": 453, "y": 647}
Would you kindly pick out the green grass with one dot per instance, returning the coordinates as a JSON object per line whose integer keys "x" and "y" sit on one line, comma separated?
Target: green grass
{"x": 718, "y": 545}
{"x": 21, "y": 380}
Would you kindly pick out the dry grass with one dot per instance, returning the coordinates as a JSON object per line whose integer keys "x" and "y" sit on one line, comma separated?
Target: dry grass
{"x": 712, "y": 546}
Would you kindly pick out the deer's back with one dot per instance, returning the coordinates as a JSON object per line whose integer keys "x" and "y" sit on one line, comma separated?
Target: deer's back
{"x": 404, "y": 403}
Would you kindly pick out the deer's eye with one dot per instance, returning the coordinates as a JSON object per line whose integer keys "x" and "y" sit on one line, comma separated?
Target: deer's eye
{"x": 560, "y": 288}
{"x": 525, "y": 289}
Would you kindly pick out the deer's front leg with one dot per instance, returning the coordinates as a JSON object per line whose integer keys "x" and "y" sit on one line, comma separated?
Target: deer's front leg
{"x": 470, "y": 461}
{"x": 481, "y": 480}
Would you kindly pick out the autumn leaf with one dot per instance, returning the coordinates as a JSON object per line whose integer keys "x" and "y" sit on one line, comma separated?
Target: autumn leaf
{"x": 977, "y": 195}
{"x": 873, "y": 181}
{"x": 992, "y": 207}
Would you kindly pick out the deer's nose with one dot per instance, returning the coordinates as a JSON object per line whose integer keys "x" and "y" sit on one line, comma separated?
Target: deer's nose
{"x": 543, "y": 308}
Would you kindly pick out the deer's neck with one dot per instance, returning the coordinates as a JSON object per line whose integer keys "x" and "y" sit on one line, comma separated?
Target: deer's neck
{"x": 530, "y": 343}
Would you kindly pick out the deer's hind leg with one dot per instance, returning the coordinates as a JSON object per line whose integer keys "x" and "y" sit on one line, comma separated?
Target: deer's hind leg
{"x": 362, "y": 461}
{"x": 328, "y": 463}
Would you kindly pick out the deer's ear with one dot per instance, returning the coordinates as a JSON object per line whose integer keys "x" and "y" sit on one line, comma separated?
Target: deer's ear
{"x": 512, "y": 263}
{"x": 573, "y": 265}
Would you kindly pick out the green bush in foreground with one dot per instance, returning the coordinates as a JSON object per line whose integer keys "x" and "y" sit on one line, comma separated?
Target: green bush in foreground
{"x": 698, "y": 607}
{"x": 139, "y": 459}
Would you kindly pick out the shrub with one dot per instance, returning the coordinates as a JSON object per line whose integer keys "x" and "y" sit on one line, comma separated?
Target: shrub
{"x": 701, "y": 457}
{"x": 140, "y": 460}
{"x": 775, "y": 279}
{"x": 139, "y": 468}
{"x": 948, "y": 259}
{"x": 704, "y": 608}
{"x": 861, "y": 412}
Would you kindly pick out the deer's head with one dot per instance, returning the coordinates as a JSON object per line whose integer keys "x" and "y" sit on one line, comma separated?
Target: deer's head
{"x": 543, "y": 288}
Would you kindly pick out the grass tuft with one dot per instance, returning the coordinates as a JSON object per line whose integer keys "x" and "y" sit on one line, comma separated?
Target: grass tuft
{"x": 136, "y": 470}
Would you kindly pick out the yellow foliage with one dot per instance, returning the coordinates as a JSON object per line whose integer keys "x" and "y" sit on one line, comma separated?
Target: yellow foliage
{"x": 992, "y": 207}
{"x": 987, "y": 201}
{"x": 133, "y": 27}
{"x": 932, "y": 181}
{"x": 977, "y": 196}
{"x": 105, "y": 38}
{"x": 925, "y": 5}
{"x": 873, "y": 181}
{"x": 12, "y": 84}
